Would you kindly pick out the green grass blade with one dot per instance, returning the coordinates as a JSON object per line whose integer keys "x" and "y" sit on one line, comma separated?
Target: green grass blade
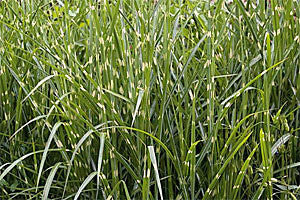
{"x": 49, "y": 181}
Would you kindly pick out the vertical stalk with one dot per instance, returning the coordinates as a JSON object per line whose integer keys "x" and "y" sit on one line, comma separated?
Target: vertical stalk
{"x": 210, "y": 84}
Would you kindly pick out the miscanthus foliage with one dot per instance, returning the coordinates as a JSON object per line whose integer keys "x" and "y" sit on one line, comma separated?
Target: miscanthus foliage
{"x": 133, "y": 99}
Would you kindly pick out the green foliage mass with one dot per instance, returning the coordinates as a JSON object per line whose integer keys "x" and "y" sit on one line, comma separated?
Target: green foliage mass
{"x": 160, "y": 99}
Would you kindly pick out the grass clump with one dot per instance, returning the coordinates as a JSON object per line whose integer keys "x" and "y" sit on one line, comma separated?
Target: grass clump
{"x": 131, "y": 99}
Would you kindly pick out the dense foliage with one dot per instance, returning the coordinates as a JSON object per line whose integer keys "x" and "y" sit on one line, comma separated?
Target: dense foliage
{"x": 134, "y": 99}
